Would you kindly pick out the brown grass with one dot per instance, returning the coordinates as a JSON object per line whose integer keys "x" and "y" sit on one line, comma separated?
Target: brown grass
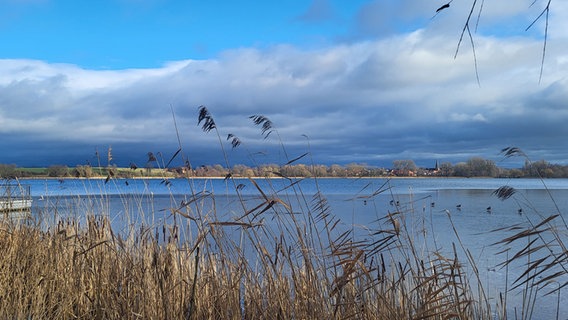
{"x": 301, "y": 266}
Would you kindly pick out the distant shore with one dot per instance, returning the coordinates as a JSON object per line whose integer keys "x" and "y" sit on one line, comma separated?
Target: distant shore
{"x": 254, "y": 177}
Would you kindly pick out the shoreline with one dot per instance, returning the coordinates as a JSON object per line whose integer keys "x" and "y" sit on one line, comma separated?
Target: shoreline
{"x": 261, "y": 177}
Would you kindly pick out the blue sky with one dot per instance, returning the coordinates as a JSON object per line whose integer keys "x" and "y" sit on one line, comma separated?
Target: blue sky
{"x": 118, "y": 34}
{"x": 348, "y": 81}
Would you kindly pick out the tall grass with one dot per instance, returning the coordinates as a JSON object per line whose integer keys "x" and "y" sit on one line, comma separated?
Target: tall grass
{"x": 282, "y": 254}
{"x": 539, "y": 246}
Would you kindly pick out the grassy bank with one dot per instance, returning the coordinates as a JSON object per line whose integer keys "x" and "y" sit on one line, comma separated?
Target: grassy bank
{"x": 87, "y": 172}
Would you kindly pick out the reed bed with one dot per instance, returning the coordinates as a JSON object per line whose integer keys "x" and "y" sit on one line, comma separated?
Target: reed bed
{"x": 275, "y": 259}
{"x": 272, "y": 259}
{"x": 87, "y": 271}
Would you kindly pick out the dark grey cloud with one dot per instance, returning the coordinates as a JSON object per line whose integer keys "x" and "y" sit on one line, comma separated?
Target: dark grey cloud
{"x": 372, "y": 101}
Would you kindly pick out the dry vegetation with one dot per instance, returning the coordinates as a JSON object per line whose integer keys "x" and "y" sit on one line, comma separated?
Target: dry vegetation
{"x": 285, "y": 270}
{"x": 272, "y": 259}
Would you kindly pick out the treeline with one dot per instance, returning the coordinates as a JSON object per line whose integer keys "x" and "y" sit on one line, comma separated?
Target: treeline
{"x": 474, "y": 167}
{"x": 269, "y": 170}
{"x": 479, "y": 167}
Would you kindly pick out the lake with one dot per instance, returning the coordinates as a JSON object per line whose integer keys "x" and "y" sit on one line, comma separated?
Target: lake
{"x": 361, "y": 204}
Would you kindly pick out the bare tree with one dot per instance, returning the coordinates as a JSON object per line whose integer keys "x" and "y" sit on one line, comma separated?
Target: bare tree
{"x": 404, "y": 166}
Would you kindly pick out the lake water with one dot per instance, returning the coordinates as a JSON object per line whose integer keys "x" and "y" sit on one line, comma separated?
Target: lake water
{"x": 359, "y": 203}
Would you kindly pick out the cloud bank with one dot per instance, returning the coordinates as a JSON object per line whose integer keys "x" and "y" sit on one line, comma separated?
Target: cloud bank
{"x": 370, "y": 99}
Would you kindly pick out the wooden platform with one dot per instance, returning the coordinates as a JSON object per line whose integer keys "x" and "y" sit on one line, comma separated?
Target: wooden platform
{"x": 15, "y": 197}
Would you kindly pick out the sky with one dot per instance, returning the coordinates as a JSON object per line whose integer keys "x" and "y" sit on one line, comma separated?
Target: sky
{"x": 342, "y": 82}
